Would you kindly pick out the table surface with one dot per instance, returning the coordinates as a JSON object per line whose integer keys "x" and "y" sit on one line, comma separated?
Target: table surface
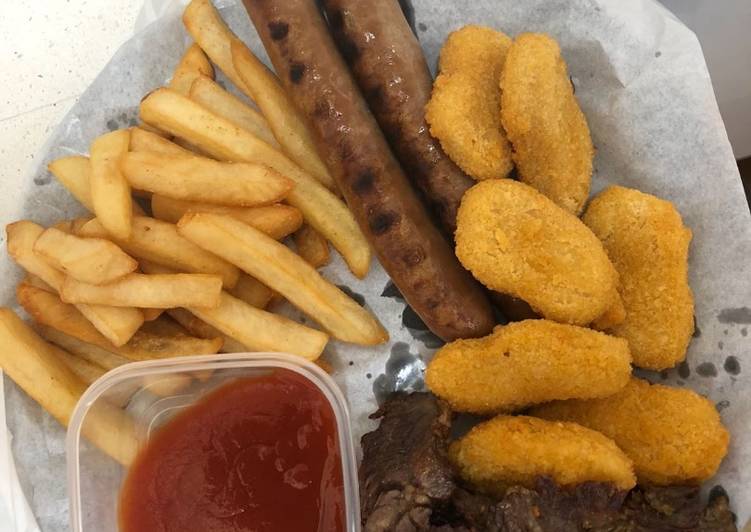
{"x": 52, "y": 50}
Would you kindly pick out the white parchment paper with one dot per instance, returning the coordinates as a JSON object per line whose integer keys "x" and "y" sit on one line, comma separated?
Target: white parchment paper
{"x": 641, "y": 79}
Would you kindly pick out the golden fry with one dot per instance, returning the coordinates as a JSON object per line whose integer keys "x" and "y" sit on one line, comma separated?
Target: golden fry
{"x": 34, "y": 366}
{"x": 91, "y": 260}
{"x": 257, "y": 82}
{"x": 321, "y": 208}
{"x": 674, "y": 436}
{"x": 91, "y": 353}
{"x": 282, "y": 270}
{"x": 312, "y": 247}
{"x": 197, "y": 327}
{"x": 528, "y": 362}
{"x": 159, "y": 242}
{"x": 87, "y": 371}
{"x": 192, "y": 65}
{"x": 142, "y": 140}
{"x": 252, "y": 291}
{"x": 277, "y": 221}
{"x": 262, "y": 331}
{"x": 213, "y": 97}
{"x": 148, "y": 291}
{"x": 48, "y": 310}
{"x": 285, "y": 120}
{"x": 201, "y": 179}
{"x": 164, "y": 326}
{"x": 110, "y": 193}
{"x": 117, "y": 324}
{"x": 210, "y": 32}
{"x": 74, "y": 172}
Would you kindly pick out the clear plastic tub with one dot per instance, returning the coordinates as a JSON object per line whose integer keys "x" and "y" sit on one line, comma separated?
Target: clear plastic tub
{"x": 153, "y": 392}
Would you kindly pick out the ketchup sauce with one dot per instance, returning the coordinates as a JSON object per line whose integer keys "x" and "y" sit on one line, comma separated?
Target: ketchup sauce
{"x": 257, "y": 454}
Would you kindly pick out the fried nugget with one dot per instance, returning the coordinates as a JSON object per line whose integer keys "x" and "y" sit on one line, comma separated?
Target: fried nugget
{"x": 508, "y": 451}
{"x": 516, "y": 241}
{"x": 463, "y": 108}
{"x": 528, "y": 362}
{"x": 673, "y": 436}
{"x": 647, "y": 242}
{"x": 551, "y": 144}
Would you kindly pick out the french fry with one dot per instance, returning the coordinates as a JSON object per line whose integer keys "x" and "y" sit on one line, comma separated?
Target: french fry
{"x": 87, "y": 371}
{"x": 74, "y": 173}
{"x": 277, "y": 221}
{"x": 285, "y": 120}
{"x": 110, "y": 193}
{"x": 213, "y": 36}
{"x": 151, "y": 314}
{"x": 201, "y": 179}
{"x": 91, "y": 260}
{"x": 197, "y": 327}
{"x": 262, "y": 331}
{"x": 164, "y": 326}
{"x": 319, "y": 206}
{"x": 37, "y": 282}
{"x": 193, "y": 64}
{"x": 213, "y": 97}
{"x": 312, "y": 247}
{"x": 252, "y": 291}
{"x": 148, "y": 291}
{"x": 257, "y": 82}
{"x": 159, "y": 242}
{"x": 88, "y": 352}
{"x": 96, "y": 356}
{"x": 34, "y": 366}
{"x": 142, "y": 140}
{"x": 117, "y": 324}
{"x": 77, "y": 223}
{"x": 282, "y": 270}
{"x": 49, "y": 311}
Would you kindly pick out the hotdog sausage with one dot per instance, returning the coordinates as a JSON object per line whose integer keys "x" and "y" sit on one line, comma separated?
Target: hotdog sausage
{"x": 409, "y": 246}
{"x": 389, "y": 66}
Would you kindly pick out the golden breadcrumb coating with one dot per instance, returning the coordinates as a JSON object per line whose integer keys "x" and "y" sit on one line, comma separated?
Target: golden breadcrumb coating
{"x": 463, "y": 108}
{"x": 548, "y": 131}
{"x": 674, "y": 436}
{"x": 516, "y": 241}
{"x": 528, "y": 362}
{"x": 647, "y": 243}
{"x": 508, "y": 450}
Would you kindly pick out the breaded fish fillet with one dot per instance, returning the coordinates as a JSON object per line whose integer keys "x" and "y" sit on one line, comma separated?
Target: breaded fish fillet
{"x": 647, "y": 243}
{"x": 551, "y": 144}
{"x": 517, "y": 241}
{"x": 674, "y": 436}
{"x": 463, "y": 108}
{"x": 509, "y": 450}
{"x": 528, "y": 362}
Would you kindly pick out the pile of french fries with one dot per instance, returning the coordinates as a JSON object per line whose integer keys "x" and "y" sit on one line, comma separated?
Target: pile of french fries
{"x": 184, "y": 248}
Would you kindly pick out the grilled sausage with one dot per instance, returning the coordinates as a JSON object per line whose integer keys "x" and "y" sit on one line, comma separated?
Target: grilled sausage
{"x": 388, "y": 65}
{"x": 410, "y": 248}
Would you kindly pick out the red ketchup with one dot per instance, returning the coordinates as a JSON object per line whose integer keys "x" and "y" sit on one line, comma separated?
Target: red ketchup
{"x": 257, "y": 454}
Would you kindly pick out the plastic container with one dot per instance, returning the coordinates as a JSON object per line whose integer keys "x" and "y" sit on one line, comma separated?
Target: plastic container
{"x": 94, "y": 479}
